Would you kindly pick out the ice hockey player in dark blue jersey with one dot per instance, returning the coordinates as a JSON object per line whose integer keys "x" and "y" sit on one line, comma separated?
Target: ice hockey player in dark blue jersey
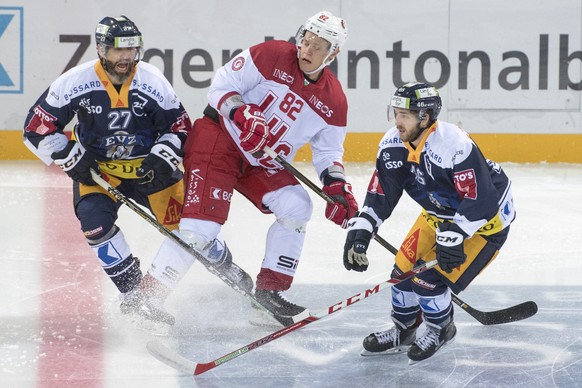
{"x": 131, "y": 127}
{"x": 467, "y": 208}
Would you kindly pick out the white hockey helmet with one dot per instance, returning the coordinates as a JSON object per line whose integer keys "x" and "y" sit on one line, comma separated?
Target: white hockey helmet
{"x": 327, "y": 26}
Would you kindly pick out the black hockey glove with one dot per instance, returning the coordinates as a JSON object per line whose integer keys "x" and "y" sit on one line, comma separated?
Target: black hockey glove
{"x": 77, "y": 162}
{"x": 450, "y": 252}
{"x": 157, "y": 168}
{"x": 360, "y": 232}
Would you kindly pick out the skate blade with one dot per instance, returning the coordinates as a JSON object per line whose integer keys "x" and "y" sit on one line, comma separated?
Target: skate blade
{"x": 413, "y": 362}
{"x": 396, "y": 350}
{"x": 152, "y": 327}
{"x": 263, "y": 319}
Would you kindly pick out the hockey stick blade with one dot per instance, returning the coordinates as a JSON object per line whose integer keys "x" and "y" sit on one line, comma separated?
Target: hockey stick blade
{"x": 511, "y": 314}
{"x": 176, "y": 361}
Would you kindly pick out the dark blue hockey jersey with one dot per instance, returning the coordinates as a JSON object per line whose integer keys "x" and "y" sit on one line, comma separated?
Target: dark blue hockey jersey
{"x": 118, "y": 127}
{"x": 447, "y": 175}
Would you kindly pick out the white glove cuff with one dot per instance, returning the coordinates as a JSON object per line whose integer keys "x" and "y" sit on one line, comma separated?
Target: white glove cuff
{"x": 70, "y": 161}
{"x": 230, "y": 104}
{"x": 167, "y": 153}
{"x": 360, "y": 223}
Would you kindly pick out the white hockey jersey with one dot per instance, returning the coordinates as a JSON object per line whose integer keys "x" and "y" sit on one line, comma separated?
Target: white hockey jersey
{"x": 297, "y": 111}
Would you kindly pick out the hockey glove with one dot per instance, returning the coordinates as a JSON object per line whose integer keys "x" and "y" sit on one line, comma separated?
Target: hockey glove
{"x": 77, "y": 162}
{"x": 345, "y": 205}
{"x": 360, "y": 231}
{"x": 450, "y": 252}
{"x": 157, "y": 168}
{"x": 254, "y": 134}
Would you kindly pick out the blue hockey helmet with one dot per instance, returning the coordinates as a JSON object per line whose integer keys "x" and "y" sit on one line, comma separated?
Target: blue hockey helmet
{"x": 118, "y": 32}
{"x": 418, "y": 96}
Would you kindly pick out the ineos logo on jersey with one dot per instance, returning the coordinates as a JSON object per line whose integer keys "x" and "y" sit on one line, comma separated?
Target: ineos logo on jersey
{"x": 238, "y": 63}
{"x": 283, "y": 76}
{"x": 316, "y": 102}
{"x": 221, "y": 195}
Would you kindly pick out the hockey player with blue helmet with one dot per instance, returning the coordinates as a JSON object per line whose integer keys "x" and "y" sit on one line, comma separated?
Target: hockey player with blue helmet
{"x": 467, "y": 208}
{"x": 131, "y": 128}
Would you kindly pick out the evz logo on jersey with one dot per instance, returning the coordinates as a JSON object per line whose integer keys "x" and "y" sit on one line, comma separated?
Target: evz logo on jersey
{"x": 119, "y": 145}
{"x": 466, "y": 183}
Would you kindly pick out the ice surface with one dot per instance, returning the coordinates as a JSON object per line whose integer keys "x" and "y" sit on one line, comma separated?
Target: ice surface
{"x": 60, "y": 325}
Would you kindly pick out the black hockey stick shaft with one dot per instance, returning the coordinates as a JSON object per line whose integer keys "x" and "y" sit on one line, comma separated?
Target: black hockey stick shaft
{"x": 317, "y": 190}
{"x": 173, "y": 359}
{"x": 510, "y": 314}
{"x": 168, "y": 233}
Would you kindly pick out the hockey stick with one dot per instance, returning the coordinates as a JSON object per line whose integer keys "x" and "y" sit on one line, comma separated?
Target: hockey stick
{"x": 511, "y": 314}
{"x": 183, "y": 244}
{"x": 176, "y": 361}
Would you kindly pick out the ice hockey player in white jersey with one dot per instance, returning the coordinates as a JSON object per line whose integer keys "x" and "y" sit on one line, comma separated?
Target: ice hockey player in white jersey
{"x": 275, "y": 94}
{"x": 467, "y": 208}
{"x": 131, "y": 127}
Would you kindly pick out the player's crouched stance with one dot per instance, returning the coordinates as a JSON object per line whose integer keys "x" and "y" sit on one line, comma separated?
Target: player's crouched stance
{"x": 134, "y": 139}
{"x": 467, "y": 208}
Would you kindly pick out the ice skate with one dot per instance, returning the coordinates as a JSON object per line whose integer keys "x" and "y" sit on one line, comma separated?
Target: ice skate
{"x": 434, "y": 338}
{"x": 238, "y": 276}
{"x": 284, "y": 311}
{"x": 220, "y": 257}
{"x": 395, "y": 340}
{"x": 143, "y": 307}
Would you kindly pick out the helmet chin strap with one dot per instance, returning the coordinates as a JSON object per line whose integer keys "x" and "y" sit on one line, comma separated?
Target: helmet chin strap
{"x": 324, "y": 63}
